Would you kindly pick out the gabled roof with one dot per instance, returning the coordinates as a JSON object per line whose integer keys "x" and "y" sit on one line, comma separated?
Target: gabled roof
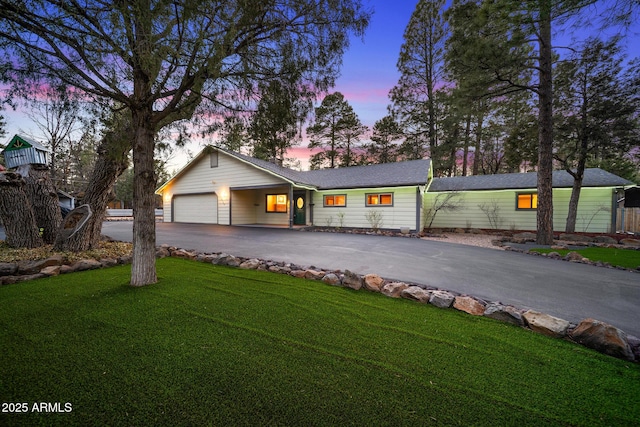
{"x": 414, "y": 172}
{"x": 19, "y": 142}
{"x": 593, "y": 177}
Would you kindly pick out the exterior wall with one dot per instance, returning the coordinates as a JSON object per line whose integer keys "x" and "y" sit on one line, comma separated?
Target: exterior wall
{"x": 202, "y": 178}
{"x": 249, "y": 206}
{"x": 594, "y": 210}
{"x": 401, "y": 214}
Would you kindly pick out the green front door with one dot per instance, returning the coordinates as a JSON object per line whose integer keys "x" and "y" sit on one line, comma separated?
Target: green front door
{"x": 299, "y": 209}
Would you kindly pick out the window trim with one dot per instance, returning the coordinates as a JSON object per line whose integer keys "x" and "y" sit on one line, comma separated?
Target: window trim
{"x": 531, "y": 195}
{"x": 374, "y": 205}
{"x": 285, "y": 204}
{"x": 324, "y": 201}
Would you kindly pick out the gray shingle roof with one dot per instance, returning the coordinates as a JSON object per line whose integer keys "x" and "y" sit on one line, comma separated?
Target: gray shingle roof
{"x": 414, "y": 172}
{"x": 593, "y": 177}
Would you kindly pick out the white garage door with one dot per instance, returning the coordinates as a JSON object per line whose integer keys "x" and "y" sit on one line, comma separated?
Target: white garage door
{"x": 199, "y": 208}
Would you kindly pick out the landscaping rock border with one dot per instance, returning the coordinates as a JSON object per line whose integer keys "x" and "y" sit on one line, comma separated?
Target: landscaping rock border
{"x": 589, "y": 332}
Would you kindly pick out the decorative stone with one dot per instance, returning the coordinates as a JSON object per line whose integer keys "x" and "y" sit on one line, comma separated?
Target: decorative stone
{"x": 226, "y": 259}
{"x": 181, "y": 253}
{"x": 525, "y": 236}
{"x": 373, "y": 282}
{"x": 8, "y": 268}
{"x": 504, "y": 313}
{"x": 33, "y": 267}
{"x": 331, "y": 279}
{"x": 605, "y": 239}
{"x": 441, "y": 299}
{"x": 393, "y": 289}
{"x": 28, "y": 277}
{"x": 297, "y": 273}
{"x": 416, "y": 293}
{"x": 162, "y": 252}
{"x": 575, "y": 238}
{"x": 250, "y": 264}
{"x": 64, "y": 269}
{"x": 574, "y": 257}
{"x": 109, "y": 262}
{"x": 469, "y": 305}
{"x": 86, "y": 264}
{"x": 604, "y": 338}
{"x": 630, "y": 242}
{"x": 313, "y": 274}
{"x": 546, "y": 324}
{"x": 52, "y": 270}
{"x": 352, "y": 280}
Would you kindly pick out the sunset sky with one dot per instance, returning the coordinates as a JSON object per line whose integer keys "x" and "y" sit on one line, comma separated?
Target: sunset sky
{"x": 368, "y": 72}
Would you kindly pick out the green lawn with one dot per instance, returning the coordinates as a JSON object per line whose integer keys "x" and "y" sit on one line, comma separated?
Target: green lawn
{"x": 627, "y": 258}
{"x": 212, "y": 345}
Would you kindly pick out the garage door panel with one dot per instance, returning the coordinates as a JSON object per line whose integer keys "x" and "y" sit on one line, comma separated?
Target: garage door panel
{"x": 196, "y": 208}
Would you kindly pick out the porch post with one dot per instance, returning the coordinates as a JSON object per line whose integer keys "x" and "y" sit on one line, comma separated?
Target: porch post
{"x": 291, "y": 205}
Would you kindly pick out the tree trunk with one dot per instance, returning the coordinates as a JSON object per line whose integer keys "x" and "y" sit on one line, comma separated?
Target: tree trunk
{"x": 467, "y": 138}
{"x": 544, "y": 215}
{"x": 477, "y": 154}
{"x": 143, "y": 267}
{"x": 111, "y": 163}
{"x": 573, "y": 205}
{"x": 16, "y": 213}
{"x": 44, "y": 201}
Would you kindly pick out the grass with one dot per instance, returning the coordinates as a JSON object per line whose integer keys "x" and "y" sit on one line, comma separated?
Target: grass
{"x": 212, "y": 345}
{"x": 627, "y": 258}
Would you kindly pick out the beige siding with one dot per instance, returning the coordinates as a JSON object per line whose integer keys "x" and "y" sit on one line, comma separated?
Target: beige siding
{"x": 202, "y": 178}
{"x": 401, "y": 214}
{"x": 249, "y": 207}
{"x": 594, "y": 210}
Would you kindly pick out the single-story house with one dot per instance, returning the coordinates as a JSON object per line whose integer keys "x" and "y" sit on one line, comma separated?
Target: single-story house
{"x": 223, "y": 187}
{"x": 509, "y": 201}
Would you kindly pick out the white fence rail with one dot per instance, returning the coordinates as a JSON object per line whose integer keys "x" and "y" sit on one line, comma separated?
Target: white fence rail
{"x": 126, "y": 212}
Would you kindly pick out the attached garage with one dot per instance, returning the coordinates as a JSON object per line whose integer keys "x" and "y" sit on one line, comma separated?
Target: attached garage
{"x": 196, "y": 208}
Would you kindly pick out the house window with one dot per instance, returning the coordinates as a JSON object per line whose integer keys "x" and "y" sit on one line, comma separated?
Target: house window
{"x": 213, "y": 159}
{"x": 526, "y": 201}
{"x": 277, "y": 202}
{"x": 379, "y": 199}
{"x": 336, "y": 200}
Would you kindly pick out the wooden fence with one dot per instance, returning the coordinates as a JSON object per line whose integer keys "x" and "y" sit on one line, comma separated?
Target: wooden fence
{"x": 628, "y": 219}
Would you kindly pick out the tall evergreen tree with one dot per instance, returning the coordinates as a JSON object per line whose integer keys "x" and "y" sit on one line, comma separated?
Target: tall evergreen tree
{"x": 335, "y": 128}
{"x": 421, "y": 69}
{"x": 596, "y": 112}
{"x": 384, "y": 141}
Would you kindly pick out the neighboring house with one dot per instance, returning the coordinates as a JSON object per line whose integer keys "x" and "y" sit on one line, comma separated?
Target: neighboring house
{"x": 508, "y": 201}
{"x": 223, "y": 187}
{"x": 228, "y": 188}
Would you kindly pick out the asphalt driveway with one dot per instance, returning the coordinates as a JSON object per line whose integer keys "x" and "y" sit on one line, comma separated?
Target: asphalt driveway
{"x": 566, "y": 290}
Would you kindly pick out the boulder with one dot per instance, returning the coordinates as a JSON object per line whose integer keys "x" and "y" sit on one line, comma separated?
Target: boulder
{"x": 575, "y": 238}
{"x": 52, "y": 270}
{"x": 373, "y": 282}
{"x": 608, "y": 240}
{"x": 86, "y": 264}
{"x": 8, "y": 268}
{"x": 162, "y": 252}
{"x": 416, "y": 293}
{"x": 504, "y": 313}
{"x": 352, "y": 280}
{"x": 546, "y": 324}
{"x": 33, "y": 267}
{"x": 297, "y": 273}
{"x": 527, "y": 236}
{"x": 442, "y": 299}
{"x": 575, "y": 257}
{"x": 332, "y": 279}
{"x": 226, "y": 259}
{"x": 109, "y": 262}
{"x": 182, "y": 253}
{"x": 604, "y": 338}
{"x": 393, "y": 289}
{"x": 250, "y": 264}
{"x": 314, "y": 274}
{"x": 469, "y": 305}
{"x": 630, "y": 242}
